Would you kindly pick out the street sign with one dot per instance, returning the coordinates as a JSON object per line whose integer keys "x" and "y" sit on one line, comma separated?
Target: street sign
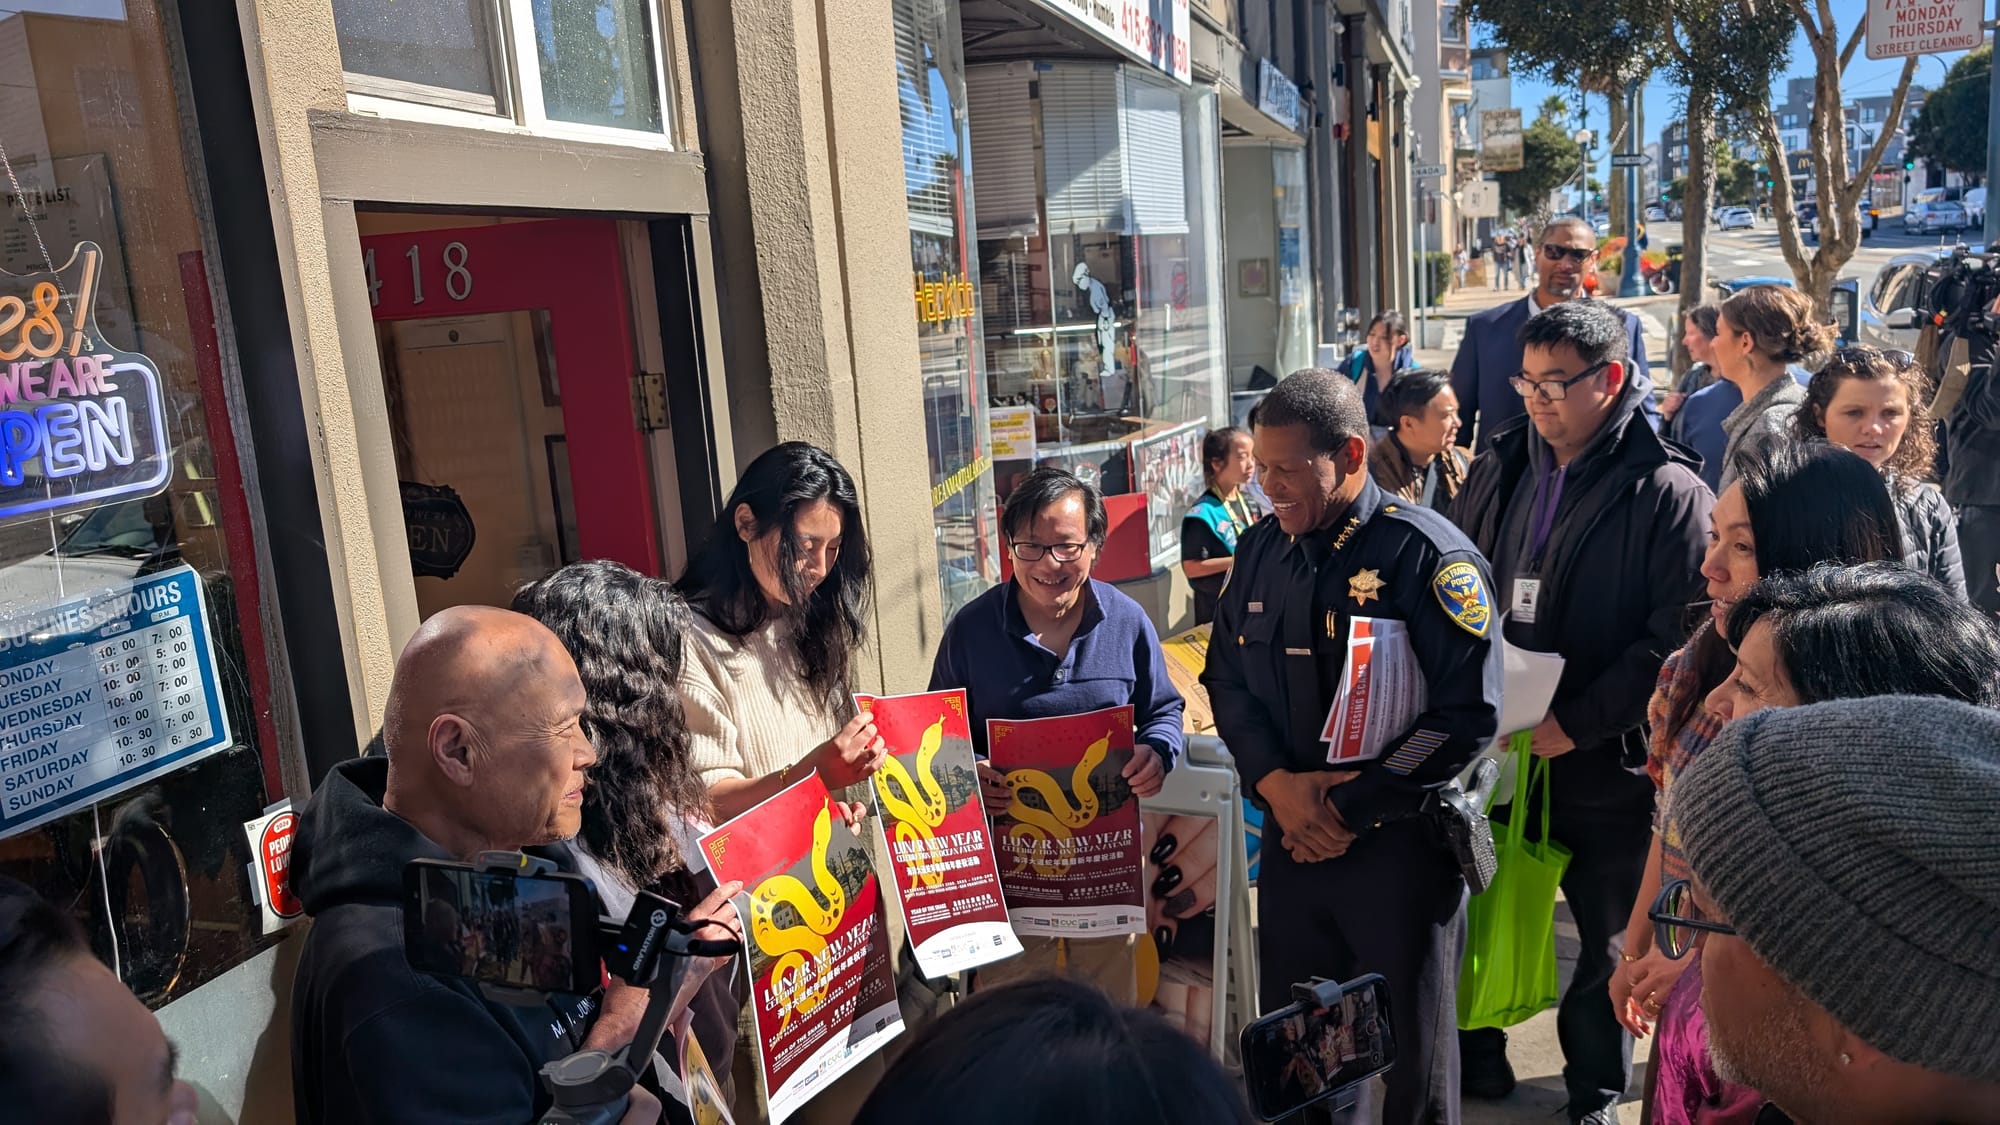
{"x": 1430, "y": 171}
{"x": 1481, "y": 199}
{"x": 1898, "y": 28}
{"x": 1630, "y": 160}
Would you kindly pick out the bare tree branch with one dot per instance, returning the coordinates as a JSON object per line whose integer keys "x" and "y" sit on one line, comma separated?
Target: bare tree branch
{"x": 1853, "y": 41}
{"x": 1805, "y": 18}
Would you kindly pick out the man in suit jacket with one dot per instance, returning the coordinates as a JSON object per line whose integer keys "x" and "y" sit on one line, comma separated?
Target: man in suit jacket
{"x": 1490, "y": 353}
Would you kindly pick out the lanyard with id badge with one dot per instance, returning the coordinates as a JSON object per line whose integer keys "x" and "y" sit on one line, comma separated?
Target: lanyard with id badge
{"x": 1526, "y": 595}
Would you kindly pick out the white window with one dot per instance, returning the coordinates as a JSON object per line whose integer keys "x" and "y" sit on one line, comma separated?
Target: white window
{"x": 1451, "y": 28}
{"x": 587, "y": 68}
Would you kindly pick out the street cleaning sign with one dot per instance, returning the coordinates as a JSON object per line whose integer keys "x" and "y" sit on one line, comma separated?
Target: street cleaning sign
{"x": 1897, "y": 28}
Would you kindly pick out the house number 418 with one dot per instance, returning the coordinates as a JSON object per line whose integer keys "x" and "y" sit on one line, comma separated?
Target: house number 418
{"x": 457, "y": 275}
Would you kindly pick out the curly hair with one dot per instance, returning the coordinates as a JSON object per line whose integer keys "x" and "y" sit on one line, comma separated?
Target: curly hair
{"x": 1917, "y": 453}
{"x": 1780, "y": 321}
{"x": 624, "y": 631}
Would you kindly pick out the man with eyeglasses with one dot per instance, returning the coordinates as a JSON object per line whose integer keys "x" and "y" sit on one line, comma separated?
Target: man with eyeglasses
{"x": 1490, "y": 353}
{"x": 1596, "y": 527}
{"x": 1847, "y": 905}
{"x": 1352, "y": 876}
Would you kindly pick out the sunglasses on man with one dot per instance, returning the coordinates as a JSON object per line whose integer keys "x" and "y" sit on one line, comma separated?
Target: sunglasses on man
{"x": 1577, "y": 254}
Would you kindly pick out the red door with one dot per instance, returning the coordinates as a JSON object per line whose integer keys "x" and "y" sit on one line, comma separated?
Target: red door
{"x": 574, "y": 269}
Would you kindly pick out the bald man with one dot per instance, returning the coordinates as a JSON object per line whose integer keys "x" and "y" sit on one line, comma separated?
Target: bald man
{"x": 485, "y": 752}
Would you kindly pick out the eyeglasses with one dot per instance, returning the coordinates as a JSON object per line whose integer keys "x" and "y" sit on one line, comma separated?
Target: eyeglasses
{"x": 1061, "y": 552}
{"x": 1577, "y": 254}
{"x": 1676, "y": 920}
{"x": 1553, "y": 390}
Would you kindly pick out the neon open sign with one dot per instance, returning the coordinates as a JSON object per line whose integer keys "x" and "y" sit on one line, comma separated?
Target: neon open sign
{"x": 81, "y": 423}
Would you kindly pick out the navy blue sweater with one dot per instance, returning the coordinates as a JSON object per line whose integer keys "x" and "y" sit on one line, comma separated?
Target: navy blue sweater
{"x": 1115, "y": 659}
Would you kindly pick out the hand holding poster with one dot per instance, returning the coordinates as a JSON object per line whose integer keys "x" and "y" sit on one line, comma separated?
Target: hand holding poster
{"x": 1069, "y": 842}
{"x": 823, "y": 995}
{"x": 940, "y": 845}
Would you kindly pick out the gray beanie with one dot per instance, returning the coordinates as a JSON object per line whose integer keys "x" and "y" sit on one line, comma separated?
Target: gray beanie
{"x": 1855, "y": 845}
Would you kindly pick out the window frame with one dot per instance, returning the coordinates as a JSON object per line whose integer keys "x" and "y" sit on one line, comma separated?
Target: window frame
{"x": 519, "y": 105}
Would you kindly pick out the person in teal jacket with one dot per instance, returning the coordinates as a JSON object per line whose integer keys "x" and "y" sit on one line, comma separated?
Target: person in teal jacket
{"x": 1226, "y": 510}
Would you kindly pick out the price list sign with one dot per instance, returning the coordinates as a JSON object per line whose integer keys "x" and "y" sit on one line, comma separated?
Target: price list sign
{"x": 102, "y": 693}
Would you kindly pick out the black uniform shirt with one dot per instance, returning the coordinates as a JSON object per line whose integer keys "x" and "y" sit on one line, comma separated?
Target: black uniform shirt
{"x": 1275, "y": 661}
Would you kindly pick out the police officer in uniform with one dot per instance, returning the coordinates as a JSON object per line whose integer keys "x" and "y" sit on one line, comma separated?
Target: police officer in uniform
{"x": 1354, "y": 879}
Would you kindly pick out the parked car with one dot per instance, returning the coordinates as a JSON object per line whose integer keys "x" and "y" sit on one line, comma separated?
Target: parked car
{"x": 1929, "y": 218}
{"x": 1656, "y": 214}
{"x": 1736, "y": 218}
{"x": 1809, "y": 227}
{"x": 1844, "y": 300}
{"x": 1975, "y": 207}
{"x": 1889, "y": 308}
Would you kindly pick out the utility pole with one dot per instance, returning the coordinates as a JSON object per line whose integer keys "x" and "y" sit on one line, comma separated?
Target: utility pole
{"x": 1628, "y": 283}
{"x": 1992, "y": 150}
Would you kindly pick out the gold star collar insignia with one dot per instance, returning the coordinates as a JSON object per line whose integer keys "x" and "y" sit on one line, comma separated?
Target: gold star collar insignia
{"x": 1364, "y": 585}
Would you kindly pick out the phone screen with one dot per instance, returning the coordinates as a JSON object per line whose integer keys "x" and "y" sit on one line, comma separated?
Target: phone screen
{"x": 1300, "y": 1055}
{"x": 535, "y": 932}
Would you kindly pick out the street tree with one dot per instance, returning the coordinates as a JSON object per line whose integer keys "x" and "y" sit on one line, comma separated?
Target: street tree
{"x": 1724, "y": 54}
{"x": 1549, "y": 159}
{"x": 1952, "y": 129}
{"x": 1841, "y": 177}
{"x": 1595, "y": 47}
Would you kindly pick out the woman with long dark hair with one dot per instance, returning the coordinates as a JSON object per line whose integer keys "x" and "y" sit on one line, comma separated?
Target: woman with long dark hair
{"x": 1227, "y": 509}
{"x": 645, "y": 804}
{"x": 779, "y": 593}
{"x": 1877, "y": 403}
{"x": 1385, "y": 351}
{"x": 1795, "y": 507}
{"x": 1804, "y": 637}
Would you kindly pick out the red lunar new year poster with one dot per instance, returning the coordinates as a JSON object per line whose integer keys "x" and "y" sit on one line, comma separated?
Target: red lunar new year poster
{"x": 823, "y": 994}
{"x": 940, "y": 844}
{"x": 1069, "y": 841}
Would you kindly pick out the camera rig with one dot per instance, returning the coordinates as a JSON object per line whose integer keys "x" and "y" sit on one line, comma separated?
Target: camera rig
{"x": 594, "y": 1087}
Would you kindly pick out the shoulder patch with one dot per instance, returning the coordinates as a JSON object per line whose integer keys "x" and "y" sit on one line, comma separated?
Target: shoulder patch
{"x": 1462, "y": 593}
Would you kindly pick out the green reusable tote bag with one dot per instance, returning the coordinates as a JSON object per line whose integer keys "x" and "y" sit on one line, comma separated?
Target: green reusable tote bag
{"x": 1509, "y": 972}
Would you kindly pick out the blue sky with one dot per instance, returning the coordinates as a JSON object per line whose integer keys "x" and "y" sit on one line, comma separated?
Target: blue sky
{"x": 1864, "y": 77}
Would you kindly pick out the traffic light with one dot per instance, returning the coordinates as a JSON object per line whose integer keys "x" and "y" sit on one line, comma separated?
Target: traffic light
{"x": 1909, "y": 163}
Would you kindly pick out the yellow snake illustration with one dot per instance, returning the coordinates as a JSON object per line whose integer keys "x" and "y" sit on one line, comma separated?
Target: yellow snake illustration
{"x": 918, "y": 806}
{"x": 799, "y": 990}
{"x": 1036, "y": 827}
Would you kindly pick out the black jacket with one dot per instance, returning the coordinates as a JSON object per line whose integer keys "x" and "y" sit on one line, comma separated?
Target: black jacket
{"x": 1622, "y": 565}
{"x": 1397, "y": 561}
{"x": 1972, "y": 431}
{"x": 1930, "y": 534}
{"x": 373, "y": 1040}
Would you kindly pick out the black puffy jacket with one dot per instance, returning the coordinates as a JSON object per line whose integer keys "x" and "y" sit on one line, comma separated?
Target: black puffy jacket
{"x": 1930, "y": 533}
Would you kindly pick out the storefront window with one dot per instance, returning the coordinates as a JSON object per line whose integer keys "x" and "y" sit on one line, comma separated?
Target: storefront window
{"x": 945, "y": 276}
{"x": 1297, "y": 336}
{"x": 135, "y": 730}
{"x": 1102, "y": 305}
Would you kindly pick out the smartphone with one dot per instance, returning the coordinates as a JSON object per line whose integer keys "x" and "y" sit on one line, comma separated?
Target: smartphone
{"x": 534, "y": 932}
{"x": 1305, "y": 1054}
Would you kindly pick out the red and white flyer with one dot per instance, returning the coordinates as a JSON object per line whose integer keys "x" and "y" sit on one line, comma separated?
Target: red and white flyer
{"x": 823, "y": 994}
{"x": 1069, "y": 842}
{"x": 940, "y": 845}
{"x": 1381, "y": 691}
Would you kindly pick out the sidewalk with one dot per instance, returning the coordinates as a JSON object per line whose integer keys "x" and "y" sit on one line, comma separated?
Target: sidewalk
{"x": 1655, "y": 313}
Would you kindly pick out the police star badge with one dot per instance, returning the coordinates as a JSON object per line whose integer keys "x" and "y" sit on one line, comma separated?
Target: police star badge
{"x": 1462, "y": 593}
{"x": 1364, "y": 585}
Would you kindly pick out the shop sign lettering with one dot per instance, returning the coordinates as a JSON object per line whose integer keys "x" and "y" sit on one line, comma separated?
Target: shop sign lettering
{"x": 949, "y": 298}
{"x": 271, "y": 836}
{"x": 81, "y": 422}
{"x": 440, "y": 529}
{"x": 1133, "y": 27}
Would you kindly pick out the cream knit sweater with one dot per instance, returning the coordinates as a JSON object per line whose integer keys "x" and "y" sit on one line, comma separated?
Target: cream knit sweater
{"x": 749, "y": 713}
